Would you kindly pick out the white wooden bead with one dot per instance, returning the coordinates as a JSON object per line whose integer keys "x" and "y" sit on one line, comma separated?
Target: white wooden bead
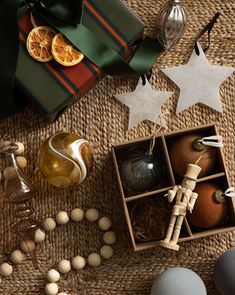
{"x": 17, "y": 257}
{"x": 39, "y": 235}
{"x": 49, "y": 224}
{"x": 62, "y": 293}
{"x": 109, "y": 237}
{"x": 105, "y": 223}
{"x": 62, "y": 217}
{"x": 27, "y": 246}
{"x": 92, "y": 214}
{"x": 77, "y": 214}
{"x": 6, "y": 269}
{"x": 20, "y": 149}
{"x": 64, "y": 266}
{"x": 94, "y": 259}
{"x": 53, "y": 276}
{"x": 78, "y": 262}
{"x": 106, "y": 251}
{"x": 51, "y": 289}
{"x": 21, "y": 161}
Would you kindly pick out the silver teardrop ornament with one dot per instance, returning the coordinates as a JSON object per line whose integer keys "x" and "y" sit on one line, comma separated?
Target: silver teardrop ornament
{"x": 171, "y": 24}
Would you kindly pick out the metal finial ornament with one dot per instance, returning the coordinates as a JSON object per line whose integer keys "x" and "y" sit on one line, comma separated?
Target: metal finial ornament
{"x": 171, "y": 23}
{"x": 18, "y": 191}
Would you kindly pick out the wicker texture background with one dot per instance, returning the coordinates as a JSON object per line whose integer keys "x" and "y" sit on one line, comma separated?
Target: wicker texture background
{"x": 103, "y": 121}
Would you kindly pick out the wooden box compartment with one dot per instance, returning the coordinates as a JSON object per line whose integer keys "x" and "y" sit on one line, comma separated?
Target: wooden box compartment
{"x": 154, "y": 200}
{"x": 123, "y": 152}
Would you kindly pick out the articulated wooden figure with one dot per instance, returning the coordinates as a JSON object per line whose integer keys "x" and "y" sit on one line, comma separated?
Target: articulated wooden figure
{"x": 185, "y": 200}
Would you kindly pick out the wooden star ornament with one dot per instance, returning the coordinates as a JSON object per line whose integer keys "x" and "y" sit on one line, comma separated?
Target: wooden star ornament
{"x": 199, "y": 81}
{"x": 144, "y": 103}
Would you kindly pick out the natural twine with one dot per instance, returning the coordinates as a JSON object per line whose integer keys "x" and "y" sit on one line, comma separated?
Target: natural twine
{"x": 103, "y": 120}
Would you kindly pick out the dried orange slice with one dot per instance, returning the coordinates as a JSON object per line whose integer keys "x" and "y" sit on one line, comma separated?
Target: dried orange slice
{"x": 64, "y": 52}
{"x": 39, "y": 43}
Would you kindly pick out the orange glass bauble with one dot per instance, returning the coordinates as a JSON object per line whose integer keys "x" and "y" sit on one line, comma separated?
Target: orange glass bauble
{"x": 208, "y": 211}
{"x": 185, "y": 150}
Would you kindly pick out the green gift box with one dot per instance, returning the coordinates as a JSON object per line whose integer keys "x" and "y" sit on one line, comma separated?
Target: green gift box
{"x": 52, "y": 87}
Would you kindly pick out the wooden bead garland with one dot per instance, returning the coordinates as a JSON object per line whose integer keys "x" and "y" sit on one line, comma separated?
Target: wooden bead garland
{"x": 49, "y": 224}
{"x": 92, "y": 214}
{"x": 17, "y": 257}
{"x": 94, "y": 259}
{"x": 64, "y": 266}
{"x": 53, "y": 276}
{"x": 39, "y": 235}
{"x": 109, "y": 237}
{"x": 6, "y": 269}
{"x": 27, "y": 246}
{"x": 105, "y": 223}
{"x": 106, "y": 251}
{"x": 51, "y": 289}
{"x": 78, "y": 262}
{"x": 62, "y": 218}
{"x": 77, "y": 214}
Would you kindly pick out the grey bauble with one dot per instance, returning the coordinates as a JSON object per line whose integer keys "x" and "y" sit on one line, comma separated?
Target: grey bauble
{"x": 178, "y": 281}
{"x": 224, "y": 273}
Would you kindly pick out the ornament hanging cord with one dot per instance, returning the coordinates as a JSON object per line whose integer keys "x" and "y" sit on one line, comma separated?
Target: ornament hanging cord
{"x": 208, "y": 29}
{"x": 153, "y": 140}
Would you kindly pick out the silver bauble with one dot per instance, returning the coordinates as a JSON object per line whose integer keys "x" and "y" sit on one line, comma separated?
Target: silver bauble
{"x": 171, "y": 24}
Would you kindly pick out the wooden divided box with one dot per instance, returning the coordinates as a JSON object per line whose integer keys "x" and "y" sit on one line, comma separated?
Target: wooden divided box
{"x": 148, "y": 213}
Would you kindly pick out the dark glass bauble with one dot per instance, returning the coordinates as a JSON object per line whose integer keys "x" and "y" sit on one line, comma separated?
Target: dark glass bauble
{"x": 142, "y": 170}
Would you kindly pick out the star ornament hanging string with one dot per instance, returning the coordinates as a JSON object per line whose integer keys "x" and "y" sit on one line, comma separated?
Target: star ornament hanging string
{"x": 144, "y": 103}
{"x": 198, "y": 80}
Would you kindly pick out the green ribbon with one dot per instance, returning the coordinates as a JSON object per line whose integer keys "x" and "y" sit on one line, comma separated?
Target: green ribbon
{"x": 66, "y": 17}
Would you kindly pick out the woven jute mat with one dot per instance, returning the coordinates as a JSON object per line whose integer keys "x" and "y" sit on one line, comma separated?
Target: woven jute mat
{"x": 103, "y": 121}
